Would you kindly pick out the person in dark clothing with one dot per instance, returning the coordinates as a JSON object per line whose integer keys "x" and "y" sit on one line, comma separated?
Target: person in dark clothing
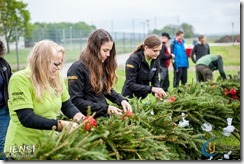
{"x": 91, "y": 78}
{"x": 200, "y": 49}
{"x": 5, "y": 74}
{"x": 164, "y": 60}
{"x": 142, "y": 68}
{"x": 180, "y": 63}
{"x": 207, "y": 64}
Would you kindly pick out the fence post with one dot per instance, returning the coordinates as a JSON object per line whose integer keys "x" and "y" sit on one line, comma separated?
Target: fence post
{"x": 17, "y": 49}
{"x": 123, "y": 42}
{"x": 64, "y": 37}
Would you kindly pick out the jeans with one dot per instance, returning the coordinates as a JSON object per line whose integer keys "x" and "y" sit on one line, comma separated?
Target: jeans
{"x": 204, "y": 73}
{"x": 4, "y": 122}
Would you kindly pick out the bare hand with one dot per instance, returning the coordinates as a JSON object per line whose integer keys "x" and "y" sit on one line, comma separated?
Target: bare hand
{"x": 159, "y": 92}
{"x": 126, "y": 106}
{"x": 68, "y": 125}
{"x": 78, "y": 117}
{"x": 114, "y": 110}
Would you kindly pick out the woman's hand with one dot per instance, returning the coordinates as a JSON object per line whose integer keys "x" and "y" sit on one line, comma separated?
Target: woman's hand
{"x": 67, "y": 124}
{"x": 126, "y": 106}
{"x": 114, "y": 110}
{"x": 78, "y": 117}
{"x": 159, "y": 93}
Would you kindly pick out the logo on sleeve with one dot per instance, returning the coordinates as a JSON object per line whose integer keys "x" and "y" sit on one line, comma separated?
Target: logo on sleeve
{"x": 72, "y": 77}
{"x": 18, "y": 96}
{"x": 129, "y": 66}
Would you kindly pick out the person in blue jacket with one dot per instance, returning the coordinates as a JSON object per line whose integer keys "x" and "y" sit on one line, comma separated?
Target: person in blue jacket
{"x": 181, "y": 63}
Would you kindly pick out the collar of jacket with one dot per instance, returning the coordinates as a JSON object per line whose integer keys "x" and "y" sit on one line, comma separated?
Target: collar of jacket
{"x": 143, "y": 59}
{"x": 176, "y": 41}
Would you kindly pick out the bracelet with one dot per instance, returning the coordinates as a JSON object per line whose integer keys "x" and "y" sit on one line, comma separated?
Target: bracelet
{"x": 79, "y": 121}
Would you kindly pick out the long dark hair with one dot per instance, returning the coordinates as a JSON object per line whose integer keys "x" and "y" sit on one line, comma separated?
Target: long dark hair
{"x": 98, "y": 69}
{"x": 150, "y": 41}
{"x": 2, "y": 49}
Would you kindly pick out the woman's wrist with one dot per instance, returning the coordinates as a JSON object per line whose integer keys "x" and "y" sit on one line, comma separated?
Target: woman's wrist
{"x": 80, "y": 120}
{"x": 60, "y": 126}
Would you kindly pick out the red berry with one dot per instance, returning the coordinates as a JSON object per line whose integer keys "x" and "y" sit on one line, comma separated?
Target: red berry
{"x": 226, "y": 93}
{"x": 235, "y": 97}
{"x": 130, "y": 114}
{"x": 232, "y": 91}
{"x": 89, "y": 123}
{"x": 172, "y": 98}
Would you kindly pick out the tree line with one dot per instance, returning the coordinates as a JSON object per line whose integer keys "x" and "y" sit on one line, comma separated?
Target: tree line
{"x": 15, "y": 23}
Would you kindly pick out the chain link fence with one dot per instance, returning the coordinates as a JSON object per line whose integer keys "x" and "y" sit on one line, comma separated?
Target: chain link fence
{"x": 76, "y": 39}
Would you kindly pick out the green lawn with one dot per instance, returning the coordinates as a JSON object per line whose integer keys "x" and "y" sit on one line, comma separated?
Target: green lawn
{"x": 231, "y": 59}
{"x": 191, "y": 76}
{"x": 231, "y": 55}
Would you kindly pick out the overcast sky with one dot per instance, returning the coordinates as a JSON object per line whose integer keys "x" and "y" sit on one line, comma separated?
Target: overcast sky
{"x": 206, "y": 16}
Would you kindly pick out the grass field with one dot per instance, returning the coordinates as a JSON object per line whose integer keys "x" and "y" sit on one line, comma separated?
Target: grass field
{"x": 230, "y": 54}
{"x": 231, "y": 59}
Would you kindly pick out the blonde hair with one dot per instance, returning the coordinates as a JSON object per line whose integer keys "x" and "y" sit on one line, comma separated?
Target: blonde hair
{"x": 40, "y": 64}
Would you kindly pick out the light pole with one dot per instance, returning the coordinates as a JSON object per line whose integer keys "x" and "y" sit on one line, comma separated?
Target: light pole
{"x": 147, "y": 22}
{"x": 70, "y": 37}
{"x": 233, "y": 32}
{"x": 143, "y": 23}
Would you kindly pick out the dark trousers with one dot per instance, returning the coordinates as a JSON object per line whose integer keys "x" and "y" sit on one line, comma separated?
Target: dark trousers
{"x": 4, "y": 122}
{"x": 164, "y": 78}
{"x": 204, "y": 73}
{"x": 180, "y": 75}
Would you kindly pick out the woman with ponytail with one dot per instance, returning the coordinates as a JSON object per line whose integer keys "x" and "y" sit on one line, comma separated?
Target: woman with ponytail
{"x": 141, "y": 70}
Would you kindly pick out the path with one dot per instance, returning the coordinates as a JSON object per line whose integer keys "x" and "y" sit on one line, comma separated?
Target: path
{"x": 121, "y": 59}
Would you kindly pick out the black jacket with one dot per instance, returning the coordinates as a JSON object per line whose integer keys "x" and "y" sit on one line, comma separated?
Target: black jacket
{"x": 163, "y": 57}
{"x": 139, "y": 76}
{"x": 82, "y": 94}
{"x": 199, "y": 50}
{"x": 6, "y": 73}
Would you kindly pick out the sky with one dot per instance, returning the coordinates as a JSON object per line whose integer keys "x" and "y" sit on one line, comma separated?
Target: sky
{"x": 206, "y": 16}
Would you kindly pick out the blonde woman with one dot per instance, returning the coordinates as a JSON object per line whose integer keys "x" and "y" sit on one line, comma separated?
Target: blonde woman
{"x": 36, "y": 95}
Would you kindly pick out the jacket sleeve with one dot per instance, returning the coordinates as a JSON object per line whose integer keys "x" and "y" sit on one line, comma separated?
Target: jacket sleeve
{"x": 193, "y": 52}
{"x": 69, "y": 109}
{"x": 166, "y": 56}
{"x": 115, "y": 97}
{"x": 76, "y": 86}
{"x": 172, "y": 47}
{"x": 29, "y": 119}
{"x": 221, "y": 68}
{"x": 163, "y": 55}
{"x": 131, "y": 73}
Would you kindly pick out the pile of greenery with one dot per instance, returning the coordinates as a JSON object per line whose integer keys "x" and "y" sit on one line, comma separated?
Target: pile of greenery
{"x": 171, "y": 129}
